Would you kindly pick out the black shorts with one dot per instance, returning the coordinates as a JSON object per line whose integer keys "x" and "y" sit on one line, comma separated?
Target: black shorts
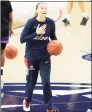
{"x": 4, "y": 41}
{"x": 3, "y": 45}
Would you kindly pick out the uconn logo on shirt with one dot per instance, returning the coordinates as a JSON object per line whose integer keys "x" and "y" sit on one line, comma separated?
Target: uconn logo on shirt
{"x": 41, "y": 37}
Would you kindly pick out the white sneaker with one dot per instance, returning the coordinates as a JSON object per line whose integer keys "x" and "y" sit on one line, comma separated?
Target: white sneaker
{"x": 2, "y": 82}
{"x": 26, "y": 105}
{"x": 2, "y": 95}
{"x": 2, "y": 85}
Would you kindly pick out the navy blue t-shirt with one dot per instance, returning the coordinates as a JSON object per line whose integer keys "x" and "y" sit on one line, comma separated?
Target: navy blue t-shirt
{"x": 6, "y": 9}
{"x": 35, "y": 47}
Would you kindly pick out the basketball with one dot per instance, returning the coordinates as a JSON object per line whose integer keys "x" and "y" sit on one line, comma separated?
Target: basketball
{"x": 11, "y": 52}
{"x": 54, "y": 47}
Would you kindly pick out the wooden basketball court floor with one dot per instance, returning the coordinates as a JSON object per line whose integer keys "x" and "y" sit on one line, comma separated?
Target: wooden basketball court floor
{"x": 71, "y": 71}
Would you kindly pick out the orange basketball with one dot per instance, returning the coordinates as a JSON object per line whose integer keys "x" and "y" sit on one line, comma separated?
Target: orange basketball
{"x": 11, "y": 52}
{"x": 54, "y": 47}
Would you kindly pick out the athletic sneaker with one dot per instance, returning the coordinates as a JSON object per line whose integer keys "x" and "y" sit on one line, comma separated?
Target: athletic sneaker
{"x": 84, "y": 21}
{"x": 26, "y": 105}
{"x": 2, "y": 82}
{"x": 66, "y": 22}
{"x": 51, "y": 110}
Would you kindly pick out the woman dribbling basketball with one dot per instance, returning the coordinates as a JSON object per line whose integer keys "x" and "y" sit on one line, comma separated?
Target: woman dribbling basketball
{"x": 6, "y": 32}
{"x": 36, "y": 33}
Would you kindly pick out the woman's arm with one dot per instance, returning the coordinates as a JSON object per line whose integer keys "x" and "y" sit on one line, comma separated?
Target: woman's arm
{"x": 26, "y": 35}
{"x": 11, "y": 24}
{"x": 10, "y": 10}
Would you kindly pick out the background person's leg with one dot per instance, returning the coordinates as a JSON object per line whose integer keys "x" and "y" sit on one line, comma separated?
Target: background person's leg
{"x": 67, "y": 18}
{"x": 84, "y": 14}
{"x": 2, "y": 62}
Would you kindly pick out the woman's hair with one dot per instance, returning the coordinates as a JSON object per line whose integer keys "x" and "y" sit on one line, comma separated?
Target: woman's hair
{"x": 37, "y": 5}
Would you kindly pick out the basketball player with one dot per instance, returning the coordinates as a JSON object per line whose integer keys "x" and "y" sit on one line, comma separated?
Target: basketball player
{"x": 85, "y": 18}
{"x": 6, "y": 30}
{"x": 37, "y": 33}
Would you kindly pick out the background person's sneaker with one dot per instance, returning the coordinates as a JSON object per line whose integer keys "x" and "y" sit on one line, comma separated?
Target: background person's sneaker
{"x": 84, "y": 21}
{"x": 66, "y": 22}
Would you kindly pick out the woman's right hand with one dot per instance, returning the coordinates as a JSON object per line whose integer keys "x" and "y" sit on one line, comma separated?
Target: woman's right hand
{"x": 41, "y": 30}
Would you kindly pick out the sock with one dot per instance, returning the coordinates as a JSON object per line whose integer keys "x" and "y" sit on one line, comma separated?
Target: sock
{"x": 68, "y": 16}
{"x": 84, "y": 14}
{"x": 2, "y": 82}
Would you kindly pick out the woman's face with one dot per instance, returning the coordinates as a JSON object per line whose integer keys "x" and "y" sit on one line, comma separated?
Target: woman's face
{"x": 42, "y": 10}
